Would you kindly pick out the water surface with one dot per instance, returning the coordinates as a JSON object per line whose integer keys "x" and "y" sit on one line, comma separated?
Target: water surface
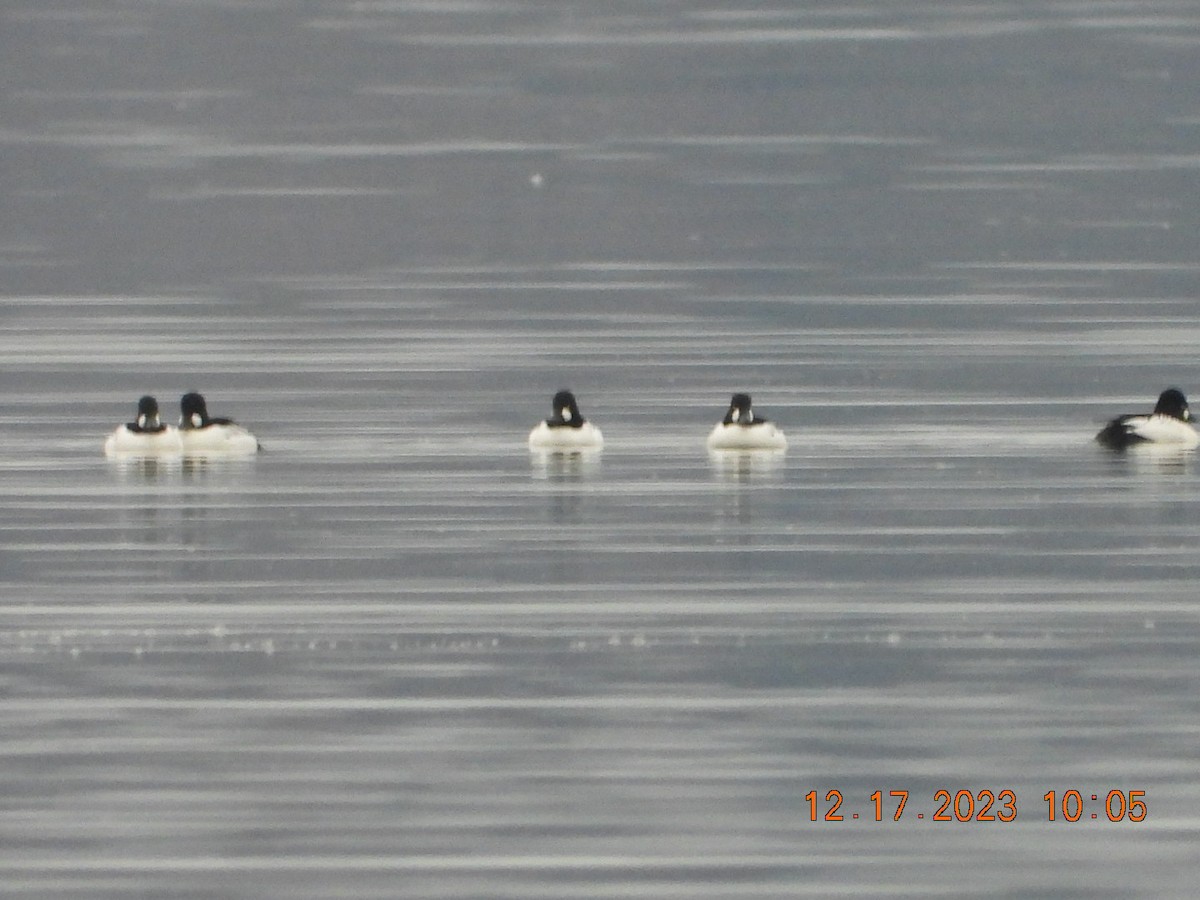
{"x": 397, "y": 654}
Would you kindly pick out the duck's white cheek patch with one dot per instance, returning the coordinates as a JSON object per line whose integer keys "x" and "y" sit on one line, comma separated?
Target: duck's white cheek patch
{"x": 196, "y": 420}
{"x": 141, "y": 421}
{"x": 566, "y": 415}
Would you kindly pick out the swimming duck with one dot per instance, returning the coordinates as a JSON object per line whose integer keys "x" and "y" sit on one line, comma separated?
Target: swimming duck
{"x": 741, "y": 429}
{"x": 145, "y": 436}
{"x": 1170, "y": 423}
{"x": 567, "y": 429}
{"x": 201, "y": 433}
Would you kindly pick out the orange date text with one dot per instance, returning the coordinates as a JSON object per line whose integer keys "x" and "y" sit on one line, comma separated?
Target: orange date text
{"x": 980, "y": 805}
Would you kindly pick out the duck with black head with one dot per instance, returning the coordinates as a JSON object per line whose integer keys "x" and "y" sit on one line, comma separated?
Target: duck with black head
{"x": 742, "y": 429}
{"x": 202, "y": 433}
{"x": 567, "y": 429}
{"x": 144, "y": 436}
{"x": 1170, "y": 424}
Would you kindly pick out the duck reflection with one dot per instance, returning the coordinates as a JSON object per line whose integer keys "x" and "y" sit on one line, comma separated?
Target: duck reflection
{"x": 737, "y": 469}
{"x": 146, "y": 514}
{"x": 133, "y": 469}
{"x": 1151, "y": 459}
{"x": 742, "y": 465}
{"x": 565, "y": 471}
{"x": 564, "y": 465}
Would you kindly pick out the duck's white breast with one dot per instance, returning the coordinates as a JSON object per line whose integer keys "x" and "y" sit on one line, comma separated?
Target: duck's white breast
{"x": 587, "y": 436}
{"x": 1164, "y": 430}
{"x": 123, "y": 442}
{"x": 763, "y": 436}
{"x": 228, "y": 439}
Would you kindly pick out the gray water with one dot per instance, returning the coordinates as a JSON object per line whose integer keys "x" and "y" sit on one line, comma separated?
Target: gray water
{"x": 398, "y": 656}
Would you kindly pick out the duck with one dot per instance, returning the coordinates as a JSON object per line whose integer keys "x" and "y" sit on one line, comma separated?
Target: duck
{"x": 201, "y": 433}
{"x": 1169, "y": 424}
{"x": 567, "y": 429}
{"x": 145, "y": 436}
{"x": 741, "y": 429}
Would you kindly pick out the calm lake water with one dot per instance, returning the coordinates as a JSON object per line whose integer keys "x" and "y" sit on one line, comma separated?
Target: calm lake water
{"x": 397, "y": 655}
